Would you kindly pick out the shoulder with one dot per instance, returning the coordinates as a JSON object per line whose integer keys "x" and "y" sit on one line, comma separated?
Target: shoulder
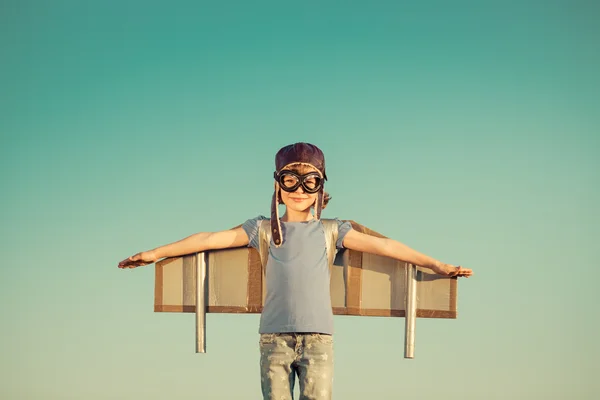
{"x": 343, "y": 227}
{"x": 257, "y": 219}
{"x": 252, "y": 225}
{"x": 336, "y": 221}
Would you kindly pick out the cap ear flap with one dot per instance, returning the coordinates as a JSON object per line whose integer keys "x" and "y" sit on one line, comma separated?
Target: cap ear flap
{"x": 275, "y": 223}
{"x": 319, "y": 204}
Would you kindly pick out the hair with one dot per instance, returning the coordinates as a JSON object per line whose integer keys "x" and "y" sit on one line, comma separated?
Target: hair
{"x": 302, "y": 168}
{"x": 326, "y": 198}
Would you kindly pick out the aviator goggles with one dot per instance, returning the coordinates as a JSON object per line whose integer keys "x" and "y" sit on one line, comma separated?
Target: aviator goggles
{"x": 290, "y": 181}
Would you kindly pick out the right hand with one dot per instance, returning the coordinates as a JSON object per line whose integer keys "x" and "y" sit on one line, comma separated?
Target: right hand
{"x": 138, "y": 260}
{"x": 451, "y": 270}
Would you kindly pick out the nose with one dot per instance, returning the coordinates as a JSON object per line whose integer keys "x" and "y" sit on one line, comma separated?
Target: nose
{"x": 299, "y": 190}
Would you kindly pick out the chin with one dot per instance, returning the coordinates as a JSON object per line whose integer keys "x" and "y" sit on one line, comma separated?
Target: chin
{"x": 299, "y": 207}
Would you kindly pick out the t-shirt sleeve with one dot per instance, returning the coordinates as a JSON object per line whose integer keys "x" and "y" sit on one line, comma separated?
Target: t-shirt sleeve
{"x": 251, "y": 227}
{"x": 343, "y": 228}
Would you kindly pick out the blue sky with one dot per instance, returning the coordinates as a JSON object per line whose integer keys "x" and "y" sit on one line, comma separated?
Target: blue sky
{"x": 467, "y": 131}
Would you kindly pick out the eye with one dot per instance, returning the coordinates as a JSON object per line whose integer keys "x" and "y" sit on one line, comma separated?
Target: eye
{"x": 311, "y": 183}
{"x": 289, "y": 180}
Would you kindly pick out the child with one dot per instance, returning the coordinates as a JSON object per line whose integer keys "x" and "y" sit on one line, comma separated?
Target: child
{"x": 296, "y": 325}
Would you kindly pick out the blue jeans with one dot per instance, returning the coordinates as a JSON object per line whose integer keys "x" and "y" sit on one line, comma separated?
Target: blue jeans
{"x": 307, "y": 355}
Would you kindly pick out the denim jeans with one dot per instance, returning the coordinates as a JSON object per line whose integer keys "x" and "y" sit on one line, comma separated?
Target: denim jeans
{"x": 307, "y": 355}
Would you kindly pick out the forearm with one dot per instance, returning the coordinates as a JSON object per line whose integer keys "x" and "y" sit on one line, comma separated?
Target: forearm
{"x": 191, "y": 244}
{"x": 402, "y": 252}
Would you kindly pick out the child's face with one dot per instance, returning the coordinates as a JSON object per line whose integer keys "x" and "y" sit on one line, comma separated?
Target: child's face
{"x": 299, "y": 200}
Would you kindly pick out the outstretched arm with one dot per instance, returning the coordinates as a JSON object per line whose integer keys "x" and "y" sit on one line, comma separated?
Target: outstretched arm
{"x": 198, "y": 242}
{"x": 391, "y": 248}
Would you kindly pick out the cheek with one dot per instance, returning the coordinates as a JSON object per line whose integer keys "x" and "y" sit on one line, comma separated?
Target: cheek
{"x": 312, "y": 201}
{"x": 283, "y": 197}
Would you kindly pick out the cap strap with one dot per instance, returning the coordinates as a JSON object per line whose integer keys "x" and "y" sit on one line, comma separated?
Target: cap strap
{"x": 275, "y": 223}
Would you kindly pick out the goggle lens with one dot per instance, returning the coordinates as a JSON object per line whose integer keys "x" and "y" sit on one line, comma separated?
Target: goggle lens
{"x": 289, "y": 181}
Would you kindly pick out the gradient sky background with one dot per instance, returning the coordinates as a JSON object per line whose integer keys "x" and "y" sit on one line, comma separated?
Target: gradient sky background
{"x": 470, "y": 132}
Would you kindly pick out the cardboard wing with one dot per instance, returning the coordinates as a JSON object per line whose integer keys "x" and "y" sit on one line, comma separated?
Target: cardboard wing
{"x": 362, "y": 284}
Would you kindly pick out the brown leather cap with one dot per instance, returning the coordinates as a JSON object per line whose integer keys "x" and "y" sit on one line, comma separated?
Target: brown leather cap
{"x": 301, "y": 153}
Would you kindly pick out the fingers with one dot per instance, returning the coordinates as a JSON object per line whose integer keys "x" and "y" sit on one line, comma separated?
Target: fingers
{"x": 464, "y": 272}
{"x": 126, "y": 264}
{"x": 461, "y": 272}
{"x": 132, "y": 262}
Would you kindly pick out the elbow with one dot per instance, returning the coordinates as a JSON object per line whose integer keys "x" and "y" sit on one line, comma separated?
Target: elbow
{"x": 387, "y": 248}
{"x": 210, "y": 242}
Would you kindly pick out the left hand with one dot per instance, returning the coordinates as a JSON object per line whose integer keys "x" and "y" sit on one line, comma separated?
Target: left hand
{"x": 138, "y": 260}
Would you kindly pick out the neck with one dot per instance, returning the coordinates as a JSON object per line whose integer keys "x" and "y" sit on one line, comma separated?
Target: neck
{"x": 297, "y": 216}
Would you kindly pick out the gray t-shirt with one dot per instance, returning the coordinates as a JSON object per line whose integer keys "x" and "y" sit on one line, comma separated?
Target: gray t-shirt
{"x": 297, "y": 277}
